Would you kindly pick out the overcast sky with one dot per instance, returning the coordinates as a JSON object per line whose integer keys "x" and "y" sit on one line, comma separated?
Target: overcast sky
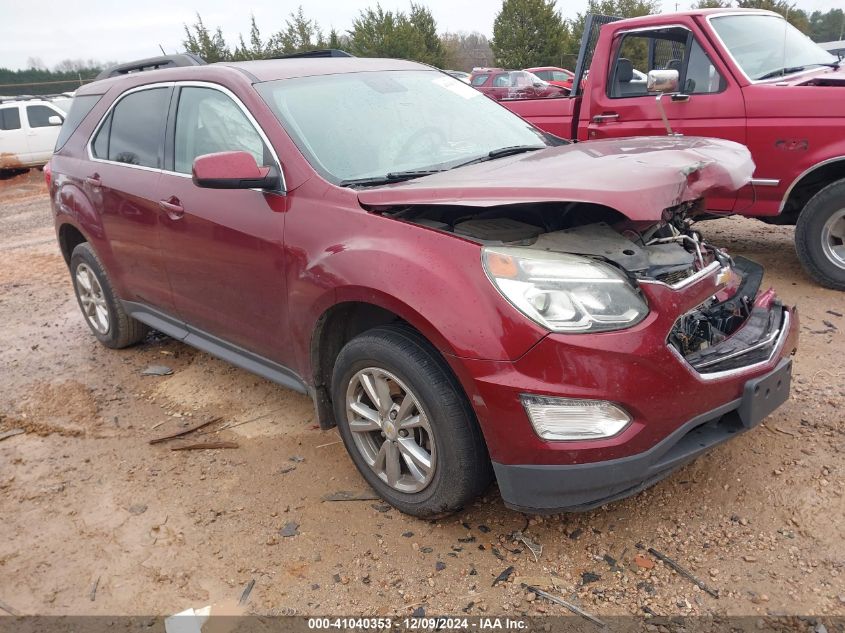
{"x": 107, "y": 30}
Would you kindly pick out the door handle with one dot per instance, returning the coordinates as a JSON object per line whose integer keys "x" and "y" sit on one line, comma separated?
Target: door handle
{"x": 172, "y": 207}
{"x": 610, "y": 116}
{"x": 680, "y": 98}
{"x": 94, "y": 181}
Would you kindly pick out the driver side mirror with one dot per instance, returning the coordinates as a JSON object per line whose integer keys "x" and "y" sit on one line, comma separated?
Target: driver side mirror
{"x": 54, "y": 119}
{"x": 233, "y": 170}
{"x": 662, "y": 81}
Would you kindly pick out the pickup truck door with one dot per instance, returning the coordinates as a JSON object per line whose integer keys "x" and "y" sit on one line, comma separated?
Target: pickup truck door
{"x": 41, "y": 134}
{"x": 709, "y": 102}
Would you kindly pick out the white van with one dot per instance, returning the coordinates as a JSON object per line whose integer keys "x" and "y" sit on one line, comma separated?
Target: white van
{"x": 28, "y": 132}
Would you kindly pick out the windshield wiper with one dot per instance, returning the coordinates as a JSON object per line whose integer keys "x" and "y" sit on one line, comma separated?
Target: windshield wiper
{"x": 502, "y": 152}
{"x": 794, "y": 69}
{"x": 393, "y": 176}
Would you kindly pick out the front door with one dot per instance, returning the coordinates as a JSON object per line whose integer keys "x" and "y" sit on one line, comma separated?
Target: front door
{"x": 709, "y": 102}
{"x": 42, "y": 133}
{"x": 14, "y": 151}
{"x": 223, "y": 248}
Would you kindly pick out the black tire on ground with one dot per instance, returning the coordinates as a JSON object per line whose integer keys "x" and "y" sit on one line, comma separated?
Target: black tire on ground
{"x": 123, "y": 330}
{"x": 809, "y": 236}
{"x": 462, "y": 467}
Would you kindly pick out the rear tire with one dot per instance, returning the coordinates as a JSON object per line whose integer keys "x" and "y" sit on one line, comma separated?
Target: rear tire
{"x": 820, "y": 236}
{"x": 101, "y": 309}
{"x": 424, "y": 418}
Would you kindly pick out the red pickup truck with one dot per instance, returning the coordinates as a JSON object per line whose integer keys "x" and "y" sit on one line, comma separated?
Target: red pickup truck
{"x": 743, "y": 75}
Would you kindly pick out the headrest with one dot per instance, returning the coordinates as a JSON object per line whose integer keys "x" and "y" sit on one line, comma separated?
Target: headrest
{"x": 624, "y": 70}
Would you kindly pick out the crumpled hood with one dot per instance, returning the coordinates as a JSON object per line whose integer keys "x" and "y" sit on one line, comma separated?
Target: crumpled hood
{"x": 639, "y": 177}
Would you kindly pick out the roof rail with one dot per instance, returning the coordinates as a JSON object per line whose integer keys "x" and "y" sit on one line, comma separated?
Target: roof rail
{"x": 152, "y": 63}
{"x": 325, "y": 52}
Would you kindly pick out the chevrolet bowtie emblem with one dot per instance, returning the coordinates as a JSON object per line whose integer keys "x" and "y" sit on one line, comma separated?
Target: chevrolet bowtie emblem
{"x": 723, "y": 277}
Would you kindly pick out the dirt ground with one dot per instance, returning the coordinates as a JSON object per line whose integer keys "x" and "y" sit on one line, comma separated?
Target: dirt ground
{"x": 94, "y": 520}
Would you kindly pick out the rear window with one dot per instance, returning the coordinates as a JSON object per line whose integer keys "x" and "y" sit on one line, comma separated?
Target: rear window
{"x": 79, "y": 109}
{"x": 10, "y": 118}
{"x": 134, "y": 131}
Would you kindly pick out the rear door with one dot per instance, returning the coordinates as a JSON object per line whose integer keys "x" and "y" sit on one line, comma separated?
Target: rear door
{"x": 223, "y": 248}
{"x": 43, "y": 123}
{"x": 14, "y": 151}
{"x": 122, "y": 183}
{"x": 710, "y": 103}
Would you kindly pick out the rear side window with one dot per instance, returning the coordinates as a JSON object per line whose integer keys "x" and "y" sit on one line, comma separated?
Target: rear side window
{"x": 135, "y": 129}
{"x": 479, "y": 80}
{"x": 39, "y": 115}
{"x": 79, "y": 109}
{"x": 10, "y": 118}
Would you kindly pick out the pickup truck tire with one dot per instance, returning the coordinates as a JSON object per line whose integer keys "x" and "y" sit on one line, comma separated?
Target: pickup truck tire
{"x": 820, "y": 236}
{"x": 101, "y": 308}
{"x": 399, "y": 408}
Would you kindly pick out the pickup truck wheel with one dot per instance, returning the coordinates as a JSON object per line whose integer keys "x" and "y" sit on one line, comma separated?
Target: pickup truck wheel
{"x": 820, "y": 236}
{"x": 102, "y": 311}
{"x": 407, "y": 424}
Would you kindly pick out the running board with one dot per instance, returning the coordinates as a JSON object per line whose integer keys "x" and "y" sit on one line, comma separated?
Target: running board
{"x": 215, "y": 346}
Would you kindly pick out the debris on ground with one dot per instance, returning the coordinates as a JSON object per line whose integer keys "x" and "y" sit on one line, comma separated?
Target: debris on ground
{"x": 568, "y": 605}
{"x": 297, "y": 459}
{"x": 643, "y": 562}
{"x": 165, "y": 438}
{"x": 345, "y": 495}
{"x": 683, "y": 572}
{"x": 588, "y": 577}
{"x": 245, "y": 593}
{"x": 535, "y": 548}
{"x": 10, "y": 433}
{"x": 92, "y": 592}
{"x": 8, "y": 608}
{"x": 205, "y": 445}
{"x": 291, "y": 528}
{"x": 504, "y": 576}
{"x": 137, "y": 508}
{"x": 157, "y": 370}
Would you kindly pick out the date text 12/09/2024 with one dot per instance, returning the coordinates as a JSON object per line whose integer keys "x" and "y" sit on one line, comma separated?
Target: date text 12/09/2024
{"x": 419, "y": 624}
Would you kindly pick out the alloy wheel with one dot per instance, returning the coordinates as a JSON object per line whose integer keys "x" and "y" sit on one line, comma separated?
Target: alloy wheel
{"x": 92, "y": 299}
{"x": 391, "y": 430}
{"x": 833, "y": 238}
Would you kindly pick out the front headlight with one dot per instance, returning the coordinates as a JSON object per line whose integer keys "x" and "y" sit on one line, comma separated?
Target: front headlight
{"x": 565, "y": 293}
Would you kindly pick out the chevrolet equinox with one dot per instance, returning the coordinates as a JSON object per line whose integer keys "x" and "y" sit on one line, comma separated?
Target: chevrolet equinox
{"x": 463, "y": 295}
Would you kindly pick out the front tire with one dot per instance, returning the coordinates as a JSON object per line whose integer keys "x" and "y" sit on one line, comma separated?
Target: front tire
{"x": 820, "y": 236}
{"x": 407, "y": 424}
{"x": 102, "y": 310}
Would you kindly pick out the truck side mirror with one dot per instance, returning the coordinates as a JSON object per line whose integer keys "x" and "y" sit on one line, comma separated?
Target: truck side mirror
{"x": 663, "y": 82}
{"x": 55, "y": 119}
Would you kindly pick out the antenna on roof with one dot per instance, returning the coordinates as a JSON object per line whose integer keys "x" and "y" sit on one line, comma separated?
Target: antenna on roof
{"x": 161, "y": 48}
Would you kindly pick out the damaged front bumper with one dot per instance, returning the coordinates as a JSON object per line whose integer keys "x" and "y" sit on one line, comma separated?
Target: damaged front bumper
{"x": 681, "y": 404}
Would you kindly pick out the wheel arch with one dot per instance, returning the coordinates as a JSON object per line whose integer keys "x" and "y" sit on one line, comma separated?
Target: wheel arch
{"x": 70, "y": 236}
{"x": 341, "y": 322}
{"x": 810, "y": 182}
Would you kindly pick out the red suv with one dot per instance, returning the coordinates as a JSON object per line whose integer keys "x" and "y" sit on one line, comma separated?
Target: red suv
{"x": 498, "y": 84}
{"x": 461, "y": 294}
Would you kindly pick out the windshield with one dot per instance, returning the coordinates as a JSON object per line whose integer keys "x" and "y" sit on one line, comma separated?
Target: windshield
{"x": 767, "y": 45}
{"x": 365, "y": 125}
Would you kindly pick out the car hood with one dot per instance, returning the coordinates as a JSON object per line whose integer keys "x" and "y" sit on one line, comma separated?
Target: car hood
{"x": 639, "y": 177}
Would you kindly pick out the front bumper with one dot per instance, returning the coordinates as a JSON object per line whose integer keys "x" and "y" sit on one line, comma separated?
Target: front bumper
{"x": 677, "y": 412}
{"x": 578, "y": 487}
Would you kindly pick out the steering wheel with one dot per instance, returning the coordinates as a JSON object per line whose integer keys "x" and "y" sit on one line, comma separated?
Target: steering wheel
{"x": 424, "y": 142}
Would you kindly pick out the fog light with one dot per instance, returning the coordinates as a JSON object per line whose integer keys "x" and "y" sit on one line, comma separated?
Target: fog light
{"x": 573, "y": 419}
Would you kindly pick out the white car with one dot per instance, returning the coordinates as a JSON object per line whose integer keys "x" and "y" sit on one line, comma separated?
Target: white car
{"x": 28, "y": 132}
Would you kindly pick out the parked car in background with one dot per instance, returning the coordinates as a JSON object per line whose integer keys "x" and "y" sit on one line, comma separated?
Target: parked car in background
{"x": 459, "y": 74}
{"x": 460, "y": 293}
{"x": 28, "y": 132}
{"x": 555, "y": 76}
{"x": 743, "y": 75}
{"x": 499, "y": 84}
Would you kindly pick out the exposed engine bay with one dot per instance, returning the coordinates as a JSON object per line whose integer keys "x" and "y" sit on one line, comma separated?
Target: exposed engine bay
{"x": 735, "y": 327}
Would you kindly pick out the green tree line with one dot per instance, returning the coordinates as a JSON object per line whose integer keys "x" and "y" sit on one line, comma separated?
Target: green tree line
{"x": 525, "y": 33}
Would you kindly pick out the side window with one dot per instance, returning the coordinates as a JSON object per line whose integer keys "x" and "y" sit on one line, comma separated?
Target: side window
{"x": 39, "y": 115}
{"x": 479, "y": 80}
{"x": 79, "y": 109}
{"x": 134, "y": 130}
{"x": 10, "y": 118}
{"x": 502, "y": 81}
{"x": 545, "y": 75}
{"x": 702, "y": 76}
{"x": 208, "y": 121}
{"x": 664, "y": 49}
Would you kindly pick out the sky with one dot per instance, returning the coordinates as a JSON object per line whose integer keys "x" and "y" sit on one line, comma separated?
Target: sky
{"x": 107, "y": 30}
